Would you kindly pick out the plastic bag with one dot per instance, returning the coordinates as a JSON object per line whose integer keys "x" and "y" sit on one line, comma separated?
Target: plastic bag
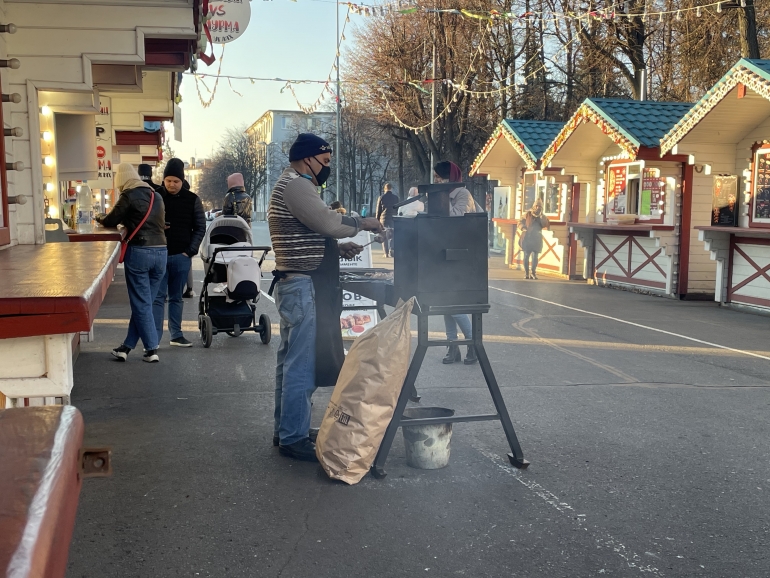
{"x": 365, "y": 397}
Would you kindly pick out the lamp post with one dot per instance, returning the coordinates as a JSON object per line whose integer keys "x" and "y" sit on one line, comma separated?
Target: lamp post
{"x": 267, "y": 173}
{"x": 337, "y": 150}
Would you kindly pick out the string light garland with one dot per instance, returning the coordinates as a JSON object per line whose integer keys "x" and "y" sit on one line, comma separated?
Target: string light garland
{"x": 612, "y": 12}
{"x": 327, "y": 83}
{"x": 609, "y": 13}
{"x": 207, "y": 103}
{"x": 463, "y": 88}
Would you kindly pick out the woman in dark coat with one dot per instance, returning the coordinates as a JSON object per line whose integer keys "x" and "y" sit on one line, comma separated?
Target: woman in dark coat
{"x": 461, "y": 202}
{"x": 531, "y": 239}
{"x": 145, "y": 260}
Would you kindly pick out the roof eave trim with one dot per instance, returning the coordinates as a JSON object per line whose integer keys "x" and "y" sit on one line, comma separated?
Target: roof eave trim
{"x": 585, "y": 113}
{"x": 742, "y": 73}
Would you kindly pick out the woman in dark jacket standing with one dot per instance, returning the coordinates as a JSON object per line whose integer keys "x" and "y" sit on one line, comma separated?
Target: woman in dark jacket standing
{"x": 145, "y": 259}
{"x": 461, "y": 202}
{"x": 531, "y": 239}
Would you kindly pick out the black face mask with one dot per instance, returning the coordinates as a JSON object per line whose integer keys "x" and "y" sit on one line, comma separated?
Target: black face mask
{"x": 321, "y": 175}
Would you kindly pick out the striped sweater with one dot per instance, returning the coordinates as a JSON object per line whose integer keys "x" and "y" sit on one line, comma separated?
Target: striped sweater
{"x": 300, "y": 222}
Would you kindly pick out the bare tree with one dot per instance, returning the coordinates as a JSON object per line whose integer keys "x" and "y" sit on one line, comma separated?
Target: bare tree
{"x": 235, "y": 154}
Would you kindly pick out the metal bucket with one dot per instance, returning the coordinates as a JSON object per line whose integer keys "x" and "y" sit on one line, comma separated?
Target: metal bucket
{"x": 427, "y": 446}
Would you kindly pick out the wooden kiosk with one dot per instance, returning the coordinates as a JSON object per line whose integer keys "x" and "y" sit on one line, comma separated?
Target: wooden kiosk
{"x": 627, "y": 208}
{"x": 726, "y": 137}
{"x": 511, "y": 156}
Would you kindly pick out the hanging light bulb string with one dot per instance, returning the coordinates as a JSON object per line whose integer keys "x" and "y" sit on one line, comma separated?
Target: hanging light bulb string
{"x": 207, "y": 103}
{"x": 614, "y": 11}
{"x": 327, "y": 83}
{"x": 462, "y": 87}
{"x": 447, "y": 107}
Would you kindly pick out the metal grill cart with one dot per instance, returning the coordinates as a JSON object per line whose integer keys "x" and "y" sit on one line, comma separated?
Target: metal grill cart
{"x": 442, "y": 261}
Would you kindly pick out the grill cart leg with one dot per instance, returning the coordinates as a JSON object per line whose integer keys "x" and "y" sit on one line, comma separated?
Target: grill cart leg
{"x": 378, "y": 468}
{"x": 517, "y": 456}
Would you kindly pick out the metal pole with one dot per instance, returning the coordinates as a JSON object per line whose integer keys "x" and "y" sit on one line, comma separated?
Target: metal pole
{"x": 337, "y": 150}
{"x": 265, "y": 200}
{"x": 433, "y": 114}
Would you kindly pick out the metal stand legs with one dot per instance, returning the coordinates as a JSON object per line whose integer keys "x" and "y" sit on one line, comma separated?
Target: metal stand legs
{"x": 516, "y": 457}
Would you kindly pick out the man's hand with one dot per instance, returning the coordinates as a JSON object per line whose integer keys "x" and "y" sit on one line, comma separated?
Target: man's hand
{"x": 349, "y": 250}
{"x": 372, "y": 224}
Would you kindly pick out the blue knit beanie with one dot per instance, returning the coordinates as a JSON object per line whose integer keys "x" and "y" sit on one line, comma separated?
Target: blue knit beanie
{"x": 308, "y": 145}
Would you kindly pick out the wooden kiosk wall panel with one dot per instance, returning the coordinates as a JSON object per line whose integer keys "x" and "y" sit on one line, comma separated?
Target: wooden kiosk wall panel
{"x": 750, "y": 274}
{"x": 552, "y": 256}
{"x": 634, "y": 260}
{"x": 702, "y": 270}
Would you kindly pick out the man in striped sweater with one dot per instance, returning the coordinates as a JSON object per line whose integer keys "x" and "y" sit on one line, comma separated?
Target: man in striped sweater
{"x": 304, "y": 233}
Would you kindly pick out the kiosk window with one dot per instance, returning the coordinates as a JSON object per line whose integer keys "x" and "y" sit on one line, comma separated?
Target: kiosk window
{"x": 529, "y": 193}
{"x": 761, "y": 198}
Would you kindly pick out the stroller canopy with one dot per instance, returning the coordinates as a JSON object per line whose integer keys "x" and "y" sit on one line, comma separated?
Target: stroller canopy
{"x": 225, "y": 230}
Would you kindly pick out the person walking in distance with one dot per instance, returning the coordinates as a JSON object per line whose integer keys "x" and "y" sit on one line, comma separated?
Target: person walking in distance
{"x": 185, "y": 228}
{"x": 237, "y": 200}
{"x": 460, "y": 202}
{"x": 145, "y": 259}
{"x": 385, "y": 214}
{"x": 304, "y": 233}
{"x": 531, "y": 237}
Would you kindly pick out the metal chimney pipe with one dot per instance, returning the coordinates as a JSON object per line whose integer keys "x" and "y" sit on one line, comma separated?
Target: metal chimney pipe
{"x": 642, "y": 76}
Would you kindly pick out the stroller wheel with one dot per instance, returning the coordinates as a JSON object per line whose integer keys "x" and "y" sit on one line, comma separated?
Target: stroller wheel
{"x": 264, "y": 333}
{"x": 206, "y": 330}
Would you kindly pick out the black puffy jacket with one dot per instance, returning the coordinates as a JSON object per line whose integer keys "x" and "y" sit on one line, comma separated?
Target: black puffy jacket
{"x": 130, "y": 210}
{"x": 186, "y": 219}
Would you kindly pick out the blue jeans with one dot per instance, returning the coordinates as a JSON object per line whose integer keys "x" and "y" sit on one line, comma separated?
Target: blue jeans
{"x": 172, "y": 284}
{"x": 295, "y": 370}
{"x": 144, "y": 268}
{"x": 452, "y": 321}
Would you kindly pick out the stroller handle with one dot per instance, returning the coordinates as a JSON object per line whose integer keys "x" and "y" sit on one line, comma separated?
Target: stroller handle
{"x": 265, "y": 250}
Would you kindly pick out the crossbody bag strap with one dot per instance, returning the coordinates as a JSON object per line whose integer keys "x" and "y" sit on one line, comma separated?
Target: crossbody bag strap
{"x": 142, "y": 222}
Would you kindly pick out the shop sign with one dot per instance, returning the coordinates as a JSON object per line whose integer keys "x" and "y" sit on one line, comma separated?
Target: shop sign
{"x": 616, "y": 190}
{"x": 356, "y": 321}
{"x": 228, "y": 19}
{"x": 724, "y": 201}
{"x": 103, "y": 147}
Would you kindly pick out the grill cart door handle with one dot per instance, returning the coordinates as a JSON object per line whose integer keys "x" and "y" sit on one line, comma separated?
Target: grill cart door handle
{"x": 457, "y": 254}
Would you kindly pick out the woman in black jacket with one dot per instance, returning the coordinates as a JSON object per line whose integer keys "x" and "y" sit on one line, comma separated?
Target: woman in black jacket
{"x": 145, "y": 259}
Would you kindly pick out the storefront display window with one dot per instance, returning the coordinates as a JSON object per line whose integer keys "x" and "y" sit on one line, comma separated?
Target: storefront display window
{"x": 538, "y": 186}
{"x": 530, "y": 193}
{"x": 636, "y": 190}
{"x": 761, "y": 198}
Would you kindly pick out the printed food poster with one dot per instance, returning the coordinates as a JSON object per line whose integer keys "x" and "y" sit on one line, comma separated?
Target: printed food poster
{"x": 354, "y": 322}
{"x": 652, "y": 193}
{"x": 724, "y": 201}
{"x": 762, "y": 187}
{"x": 616, "y": 190}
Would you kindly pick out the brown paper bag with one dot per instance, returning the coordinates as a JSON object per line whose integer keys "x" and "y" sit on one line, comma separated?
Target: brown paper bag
{"x": 365, "y": 397}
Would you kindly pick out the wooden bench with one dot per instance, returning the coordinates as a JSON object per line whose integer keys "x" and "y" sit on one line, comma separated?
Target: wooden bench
{"x": 48, "y": 295}
{"x": 40, "y": 482}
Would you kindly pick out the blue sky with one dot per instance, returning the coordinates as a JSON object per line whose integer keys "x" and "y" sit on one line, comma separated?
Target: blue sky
{"x": 284, "y": 39}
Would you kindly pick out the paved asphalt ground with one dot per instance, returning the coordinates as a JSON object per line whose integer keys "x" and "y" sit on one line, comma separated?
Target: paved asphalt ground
{"x": 649, "y": 450}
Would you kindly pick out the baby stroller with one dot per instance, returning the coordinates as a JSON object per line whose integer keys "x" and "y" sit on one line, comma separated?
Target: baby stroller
{"x": 231, "y": 283}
